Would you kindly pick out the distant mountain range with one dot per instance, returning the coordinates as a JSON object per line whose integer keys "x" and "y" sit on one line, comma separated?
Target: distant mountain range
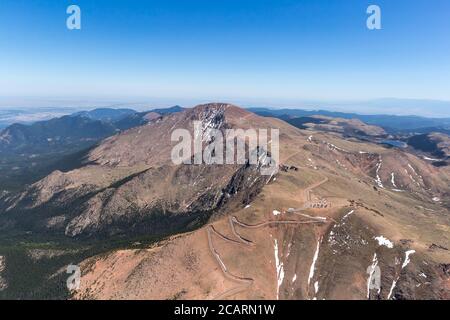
{"x": 83, "y": 127}
{"x": 390, "y": 123}
{"x": 32, "y": 150}
{"x": 387, "y": 121}
{"x": 387, "y": 106}
{"x": 106, "y": 114}
{"x": 169, "y": 110}
{"x": 29, "y": 151}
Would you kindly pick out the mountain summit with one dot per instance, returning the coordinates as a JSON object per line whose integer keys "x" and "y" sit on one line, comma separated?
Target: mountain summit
{"x": 342, "y": 219}
{"x": 129, "y": 185}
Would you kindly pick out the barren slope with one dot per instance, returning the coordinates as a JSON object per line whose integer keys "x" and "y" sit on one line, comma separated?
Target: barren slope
{"x": 336, "y": 211}
{"x": 129, "y": 184}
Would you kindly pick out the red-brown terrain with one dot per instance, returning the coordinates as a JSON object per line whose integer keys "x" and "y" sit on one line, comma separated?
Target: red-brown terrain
{"x": 336, "y": 210}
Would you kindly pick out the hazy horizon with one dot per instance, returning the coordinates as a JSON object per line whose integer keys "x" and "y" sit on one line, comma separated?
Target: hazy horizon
{"x": 382, "y": 106}
{"x": 261, "y": 53}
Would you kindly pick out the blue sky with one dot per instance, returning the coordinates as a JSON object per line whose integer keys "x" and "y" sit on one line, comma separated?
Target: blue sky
{"x": 269, "y": 52}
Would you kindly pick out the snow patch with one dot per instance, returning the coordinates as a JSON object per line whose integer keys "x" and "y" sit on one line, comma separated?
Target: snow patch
{"x": 393, "y": 180}
{"x": 347, "y": 214}
{"x": 372, "y": 271}
{"x": 430, "y": 159}
{"x": 417, "y": 175}
{"x": 279, "y": 269}
{"x": 382, "y": 241}
{"x": 378, "y": 180}
{"x": 405, "y": 263}
{"x": 392, "y": 288}
{"x": 313, "y": 264}
{"x": 332, "y": 146}
{"x": 407, "y": 260}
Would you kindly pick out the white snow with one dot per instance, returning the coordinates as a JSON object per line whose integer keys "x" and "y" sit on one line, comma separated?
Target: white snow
{"x": 405, "y": 263}
{"x": 392, "y": 288}
{"x": 332, "y": 146}
{"x": 316, "y": 286}
{"x": 279, "y": 269}
{"x": 247, "y": 206}
{"x": 288, "y": 250}
{"x": 347, "y": 214}
{"x": 382, "y": 241}
{"x": 331, "y": 239}
{"x": 209, "y": 122}
{"x": 268, "y": 180}
{"x": 378, "y": 180}
{"x": 313, "y": 264}
{"x": 276, "y": 212}
{"x": 410, "y": 166}
{"x": 430, "y": 159}
{"x": 436, "y": 199}
{"x": 423, "y": 275}
{"x": 340, "y": 164}
{"x": 294, "y": 278}
{"x": 372, "y": 271}
{"x": 310, "y": 138}
{"x": 393, "y": 180}
{"x": 417, "y": 175}
{"x": 407, "y": 260}
{"x": 312, "y": 164}
{"x": 411, "y": 177}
